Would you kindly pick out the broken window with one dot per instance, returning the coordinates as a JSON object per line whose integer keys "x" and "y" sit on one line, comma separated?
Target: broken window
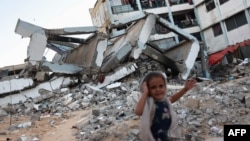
{"x": 217, "y": 29}
{"x": 197, "y": 35}
{"x": 236, "y": 21}
{"x": 210, "y": 5}
{"x": 223, "y": 1}
{"x": 123, "y": 7}
{"x": 185, "y": 20}
{"x": 161, "y": 29}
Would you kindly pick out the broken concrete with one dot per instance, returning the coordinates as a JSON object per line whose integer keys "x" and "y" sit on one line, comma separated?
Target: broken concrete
{"x": 202, "y": 112}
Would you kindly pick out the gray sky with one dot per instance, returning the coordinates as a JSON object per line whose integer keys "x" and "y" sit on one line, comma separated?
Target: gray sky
{"x": 45, "y": 13}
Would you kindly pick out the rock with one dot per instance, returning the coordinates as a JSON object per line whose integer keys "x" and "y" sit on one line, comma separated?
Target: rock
{"x": 247, "y": 100}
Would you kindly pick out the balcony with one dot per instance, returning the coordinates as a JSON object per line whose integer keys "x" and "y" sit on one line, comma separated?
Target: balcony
{"x": 177, "y": 2}
{"x": 124, "y": 6}
{"x": 147, "y": 4}
{"x": 187, "y": 23}
{"x": 122, "y": 9}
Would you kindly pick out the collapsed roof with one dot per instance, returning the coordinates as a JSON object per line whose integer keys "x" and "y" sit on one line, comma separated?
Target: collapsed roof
{"x": 124, "y": 41}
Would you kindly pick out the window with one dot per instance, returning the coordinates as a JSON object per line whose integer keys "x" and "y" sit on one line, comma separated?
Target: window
{"x": 217, "y": 29}
{"x": 197, "y": 35}
{"x": 236, "y": 21}
{"x": 223, "y": 1}
{"x": 241, "y": 19}
{"x": 210, "y": 5}
{"x": 161, "y": 29}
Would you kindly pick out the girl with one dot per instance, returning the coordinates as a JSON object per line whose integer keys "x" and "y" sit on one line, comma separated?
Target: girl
{"x": 158, "y": 120}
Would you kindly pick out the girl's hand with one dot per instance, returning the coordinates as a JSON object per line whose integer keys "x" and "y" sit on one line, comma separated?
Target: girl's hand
{"x": 144, "y": 88}
{"x": 144, "y": 95}
{"x": 189, "y": 84}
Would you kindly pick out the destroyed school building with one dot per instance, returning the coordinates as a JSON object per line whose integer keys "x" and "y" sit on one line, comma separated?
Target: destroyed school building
{"x": 208, "y": 39}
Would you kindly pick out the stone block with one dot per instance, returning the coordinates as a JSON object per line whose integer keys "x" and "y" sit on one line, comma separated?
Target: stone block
{"x": 193, "y": 103}
{"x": 247, "y": 100}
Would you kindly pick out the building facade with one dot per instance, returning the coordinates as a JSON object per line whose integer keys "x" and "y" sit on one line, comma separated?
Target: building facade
{"x": 216, "y": 23}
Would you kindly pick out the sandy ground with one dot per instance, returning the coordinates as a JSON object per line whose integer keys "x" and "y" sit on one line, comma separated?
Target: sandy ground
{"x": 64, "y": 131}
{"x": 54, "y": 128}
{"x": 46, "y": 129}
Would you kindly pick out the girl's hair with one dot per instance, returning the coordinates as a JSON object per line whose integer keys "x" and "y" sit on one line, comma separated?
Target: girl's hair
{"x": 151, "y": 75}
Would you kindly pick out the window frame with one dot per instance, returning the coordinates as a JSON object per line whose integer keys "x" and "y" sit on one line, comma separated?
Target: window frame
{"x": 236, "y": 21}
{"x": 223, "y": 1}
{"x": 217, "y": 30}
{"x": 210, "y": 5}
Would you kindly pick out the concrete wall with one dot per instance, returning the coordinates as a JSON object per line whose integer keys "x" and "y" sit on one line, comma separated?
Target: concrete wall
{"x": 100, "y": 14}
{"x": 240, "y": 34}
{"x": 126, "y": 15}
{"x": 219, "y": 14}
{"x": 214, "y": 44}
{"x": 219, "y": 42}
{"x": 207, "y": 18}
{"x": 235, "y": 7}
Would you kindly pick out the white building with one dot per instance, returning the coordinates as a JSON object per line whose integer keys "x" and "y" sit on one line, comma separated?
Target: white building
{"x": 217, "y": 23}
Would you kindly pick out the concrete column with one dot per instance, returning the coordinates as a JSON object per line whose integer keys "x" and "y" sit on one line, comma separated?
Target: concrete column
{"x": 170, "y": 16}
{"x": 246, "y": 11}
{"x": 222, "y": 23}
{"x": 139, "y": 5}
{"x": 110, "y": 11}
{"x": 204, "y": 61}
{"x": 203, "y": 49}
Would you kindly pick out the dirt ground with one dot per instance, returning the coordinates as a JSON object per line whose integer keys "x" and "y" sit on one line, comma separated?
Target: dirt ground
{"x": 54, "y": 128}
{"x": 46, "y": 129}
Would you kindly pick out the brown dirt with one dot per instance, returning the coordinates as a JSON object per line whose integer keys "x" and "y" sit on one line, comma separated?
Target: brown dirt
{"x": 60, "y": 130}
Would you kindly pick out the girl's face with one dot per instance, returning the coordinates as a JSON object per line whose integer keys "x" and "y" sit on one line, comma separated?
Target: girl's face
{"x": 157, "y": 88}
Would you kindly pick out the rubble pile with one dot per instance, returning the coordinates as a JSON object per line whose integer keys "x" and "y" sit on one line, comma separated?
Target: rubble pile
{"x": 202, "y": 111}
{"x": 229, "y": 71}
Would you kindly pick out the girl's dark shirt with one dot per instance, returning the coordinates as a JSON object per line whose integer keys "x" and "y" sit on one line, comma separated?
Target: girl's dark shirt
{"x": 161, "y": 121}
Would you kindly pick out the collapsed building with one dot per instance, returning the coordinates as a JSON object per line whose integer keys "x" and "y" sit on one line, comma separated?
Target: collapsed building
{"x": 101, "y": 58}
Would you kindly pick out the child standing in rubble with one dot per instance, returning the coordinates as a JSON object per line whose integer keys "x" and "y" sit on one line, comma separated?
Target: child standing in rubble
{"x": 158, "y": 119}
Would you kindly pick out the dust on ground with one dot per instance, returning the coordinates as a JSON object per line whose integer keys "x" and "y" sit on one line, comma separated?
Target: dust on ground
{"x": 55, "y": 128}
{"x": 49, "y": 127}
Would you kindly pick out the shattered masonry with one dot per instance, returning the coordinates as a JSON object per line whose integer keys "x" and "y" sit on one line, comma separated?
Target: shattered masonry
{"x": 101, "y": 54}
